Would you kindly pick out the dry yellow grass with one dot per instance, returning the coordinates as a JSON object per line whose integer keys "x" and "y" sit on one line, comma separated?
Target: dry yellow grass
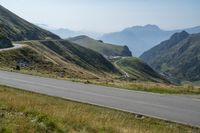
{"x": 152, "y": 87}
{"x": 22, "y": 111}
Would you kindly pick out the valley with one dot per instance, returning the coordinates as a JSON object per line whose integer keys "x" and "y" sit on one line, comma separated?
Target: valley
{"x": 52, "y": 83}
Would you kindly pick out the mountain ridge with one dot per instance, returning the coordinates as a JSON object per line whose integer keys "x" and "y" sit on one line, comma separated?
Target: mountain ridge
{"x": 177, "y": 57}
{"x": 107, "y": 50}
{"x": 17, "y": 29}
{"x": 141, "y": 38}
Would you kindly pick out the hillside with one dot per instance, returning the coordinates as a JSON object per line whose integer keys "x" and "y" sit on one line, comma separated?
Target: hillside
{"x": 79, "y": 55}
{"x": 16, "y": 28}
{"x": 59, "y": 58}
{"x": 44, "y": 53}
{"x": 138, "y": 70}
{"x": 141, "y": 38}
{"x": 5, "y": 42}
{"x": 177, "y": 57}
{"x": 105, "y": 49}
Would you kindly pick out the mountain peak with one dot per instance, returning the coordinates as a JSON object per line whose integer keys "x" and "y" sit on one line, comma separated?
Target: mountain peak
{"x": 148, "y": 27}
{"x": 151, "y": 26}
{"x": 179, "y": 36}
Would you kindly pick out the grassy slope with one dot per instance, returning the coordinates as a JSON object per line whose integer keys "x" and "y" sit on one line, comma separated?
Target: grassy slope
{"x": 138, "y": 70}
{"x": 45, "y": 62}
{"x": 22, "y": 111}
{"x": 81, "y": 56}
{"x": 103, "y": 48}
{"x": 35, "y": 62}
{"x": 56, "y": 58}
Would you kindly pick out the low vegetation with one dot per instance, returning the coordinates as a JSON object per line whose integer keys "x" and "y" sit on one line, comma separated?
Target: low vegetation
{"x": 108, "y": 50}
{"x": 138, "y": 70}
{"x": 22, "y": 111}
{"x": 153, "y": 87}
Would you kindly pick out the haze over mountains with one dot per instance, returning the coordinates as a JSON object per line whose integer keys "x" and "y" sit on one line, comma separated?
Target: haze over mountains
{"x": 178, "y": 58}
{"x": 138, "y": 38}
{"x": 45, "y": 53}
{"x": 67, "y": 33}
{"x": 141, "y": 38}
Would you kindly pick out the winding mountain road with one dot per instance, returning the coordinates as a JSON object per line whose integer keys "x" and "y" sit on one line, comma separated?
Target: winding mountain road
{"x": 15, "y": 46}
{"x": 126, "y": 75}
{"x": 181, "y": 109}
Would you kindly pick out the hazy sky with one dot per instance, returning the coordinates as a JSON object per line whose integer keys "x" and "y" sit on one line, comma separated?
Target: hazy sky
{"x": 107, "y": 15}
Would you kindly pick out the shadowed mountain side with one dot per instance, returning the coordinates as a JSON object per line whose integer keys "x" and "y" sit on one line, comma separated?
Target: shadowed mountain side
{"x": 177, "y": 57}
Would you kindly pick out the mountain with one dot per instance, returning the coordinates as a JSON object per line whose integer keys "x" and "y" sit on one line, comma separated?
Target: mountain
{"x": 5, "y": 42}
{"x": 192, "y": 30}
{"x": 55, "y": 57}
{"x": 178, "y": 58}
{"x": 138, "y": 70}
{"x": 105, "y": 49}
{"x": 50, "y": 55}
{"x": 66, "y": 33}
{"x": 141, "y": 38}
{"x": 17, "y": 29}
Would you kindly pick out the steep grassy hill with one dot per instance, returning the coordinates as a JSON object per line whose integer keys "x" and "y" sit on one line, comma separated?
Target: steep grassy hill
{"x": 16, "y": 28}
{"x": 101, "y": 47}
{"x": 45, "y": 53}
{"x": 178, "y": 57}
{"x": 5, "y": 42}
{"x": 28, "y": 59}
{"x": 79, "y": 55}
{"x": 59, "y": 58}
{"x": 138, "y": 70}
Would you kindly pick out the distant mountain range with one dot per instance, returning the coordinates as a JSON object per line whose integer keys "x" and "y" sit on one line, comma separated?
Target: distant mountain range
{"x": 177, "y": 58}
{"x": 107, "y": 50}
{"x": 141, "y": 38}
{"x": 45, "y": 53}
{"x": 66, "y": 33}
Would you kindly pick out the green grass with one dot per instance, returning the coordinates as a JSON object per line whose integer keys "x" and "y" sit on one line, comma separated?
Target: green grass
{"x": 152, "y": 87}
{"x": 64, "y": 61}
{"x": 101, "y": 47}
{"x": 43, "y": 62}
{"x": 22, "y": 111}
{"x": 138, "y": 70}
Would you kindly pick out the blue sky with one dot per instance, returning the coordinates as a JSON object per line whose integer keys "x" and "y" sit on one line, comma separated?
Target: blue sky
{"x": 107, "y": 15}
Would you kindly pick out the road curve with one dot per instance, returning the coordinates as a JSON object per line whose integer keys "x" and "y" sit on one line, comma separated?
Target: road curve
{"x": 126, "y": 75}
{"x": 185, "y": 110}
{"x": 15, "y": 46}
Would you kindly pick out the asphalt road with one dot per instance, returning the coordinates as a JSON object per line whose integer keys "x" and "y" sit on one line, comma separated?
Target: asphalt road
{"x": 185, "y": 110}
{"x": 15, "y": 46}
